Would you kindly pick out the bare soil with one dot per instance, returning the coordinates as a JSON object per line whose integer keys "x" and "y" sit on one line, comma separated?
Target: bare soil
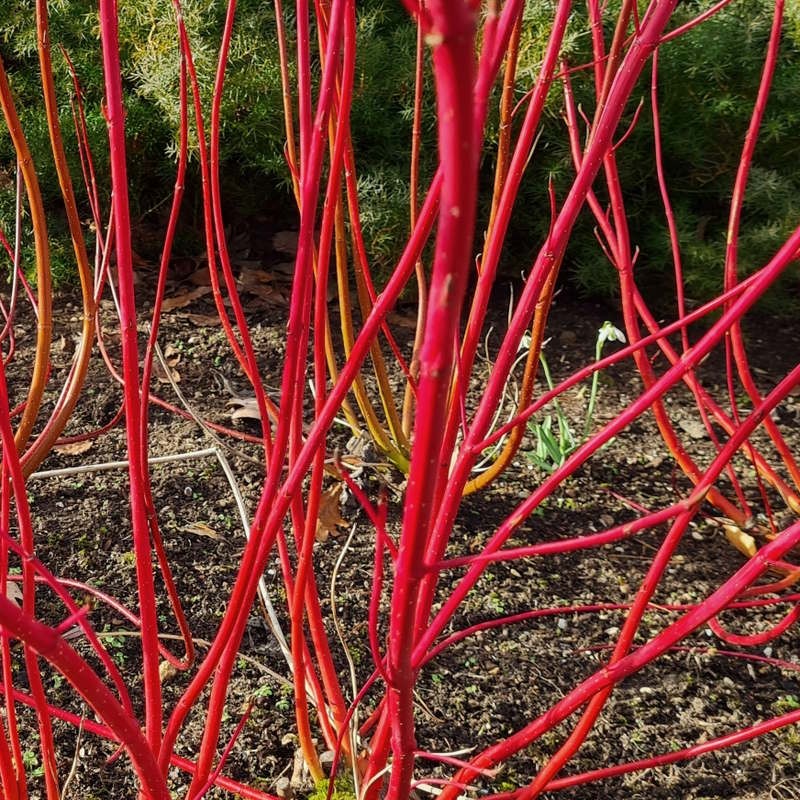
{"x": 485, "y": 687}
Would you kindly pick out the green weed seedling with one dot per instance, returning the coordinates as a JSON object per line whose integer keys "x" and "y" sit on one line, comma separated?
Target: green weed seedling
{"x": 555, "y": 439}
{"x": 343, "y": 789}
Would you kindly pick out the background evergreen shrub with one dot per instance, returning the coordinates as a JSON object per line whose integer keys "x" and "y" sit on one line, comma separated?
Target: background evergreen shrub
{"x": 708, "y": 80}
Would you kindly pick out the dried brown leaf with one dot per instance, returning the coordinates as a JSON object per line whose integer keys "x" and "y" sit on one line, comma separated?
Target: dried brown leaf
{"x": 173, "y": 377}
{"x": 329, "y": 519}
{"x": 14, "y": 593}
{"x": 285, "y": 269}
{"x": 201, "y": 277}
{"x": 285, "y": 242}
{"x": 167, "y": 671}
{"x": 245, "y": 408}
{"x": 201, "y": 529}
{"x": 73, "y": 448}
{"x": 171, "y": 355}
{"x": 252, "y": 265}
{"x": 183, "y": 300}
{"x": 264, "y": 300}
{"x": 250, "y": 277}
{"x": 264, "y": 292}
{"x": 202, "y": 319}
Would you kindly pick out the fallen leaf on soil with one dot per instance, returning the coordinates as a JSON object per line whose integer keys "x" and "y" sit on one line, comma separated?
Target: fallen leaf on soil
{"x": 285, "y": 242}
{"x": 202, "y": 319}
{"x": 14, "y": 593}
{"x": 285, "y": 268}
{"x": 183, "y": 300}
{"x": 254, "y": 275}
{"x": 73, "y": 448}
{"x": 201, "y": 277}
{"x": 330, "y": 519}
{"x": 246, "y": 408}
{"x": 181, "y": 269}
{"x": 264, "y": 292}
{"x": 172, "y": 355}
{"x": 201, "y": 529}
{"x": 272, "y": 298}
{"x": 166, "y": 671}
{"x": 239, "y": 244}
{"x": 173, "y": 377}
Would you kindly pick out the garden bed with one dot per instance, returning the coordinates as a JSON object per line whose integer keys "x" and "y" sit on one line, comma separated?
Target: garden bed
{"x": 478, "y": 690}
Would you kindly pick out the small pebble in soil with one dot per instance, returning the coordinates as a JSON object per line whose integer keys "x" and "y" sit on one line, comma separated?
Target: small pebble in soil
{"x": 562, "y": 623}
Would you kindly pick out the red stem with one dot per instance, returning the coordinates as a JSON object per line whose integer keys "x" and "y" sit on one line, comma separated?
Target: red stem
{"x": 130, "y": 366}
{"x": 452, "y": 37}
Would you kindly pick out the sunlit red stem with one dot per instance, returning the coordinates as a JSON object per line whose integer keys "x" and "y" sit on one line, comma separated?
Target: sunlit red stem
{"x": 452, "y": 37}
{"x": 629, "y": 629}
{"x": 166, "y": 254}
{"x": 722, "y": 419}
{"x": 14, "y": 784}
{"x": 735, "y": 339}
{"x": 266, "y": 407}
{"x": 222, "y": 656}
{"x": 413, "y": 189}
{"x": 305, "y": 596}
{"x": 105, "y": 732}
{"x": 130, "y": 364}
{"x": 693, "y": 23}
{"x": 618, "y": 250}
{"x": 47, "y": 643}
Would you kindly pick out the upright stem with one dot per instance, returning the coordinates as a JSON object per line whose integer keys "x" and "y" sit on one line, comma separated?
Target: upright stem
{"x": 735, "y": 340}
{"x": 422, "y": 283}
{"x": 452, "y": 37}
{"x": 130, "y": 366}
{"x": 42, "y": 445}
{"x": 44, "y": 323}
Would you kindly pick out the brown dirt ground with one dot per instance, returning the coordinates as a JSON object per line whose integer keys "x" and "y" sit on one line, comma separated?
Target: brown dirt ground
{"x": 488, "y": 685}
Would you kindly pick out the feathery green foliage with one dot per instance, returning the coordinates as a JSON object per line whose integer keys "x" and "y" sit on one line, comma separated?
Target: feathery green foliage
{"x": 707, "y": 83}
